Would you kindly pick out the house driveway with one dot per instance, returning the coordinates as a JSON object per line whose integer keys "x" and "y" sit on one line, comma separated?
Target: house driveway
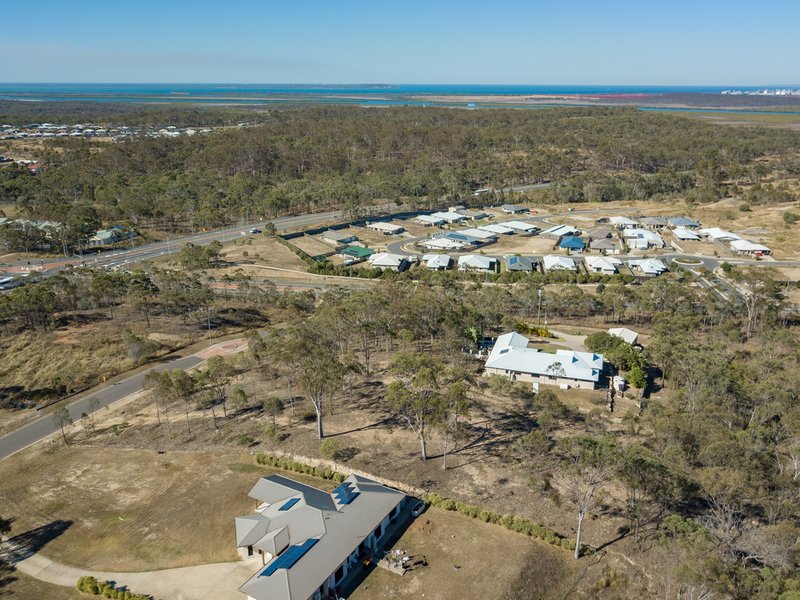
{"x": 216, "y": 581}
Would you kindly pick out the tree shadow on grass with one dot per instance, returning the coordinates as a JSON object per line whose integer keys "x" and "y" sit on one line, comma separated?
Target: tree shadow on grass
{"x": 25, "y": 545}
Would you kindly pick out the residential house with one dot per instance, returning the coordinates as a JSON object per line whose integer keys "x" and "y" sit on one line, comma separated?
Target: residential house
{"x": 627, "y": 335}
{"x": 355, "y": 254}
{"x": 442, "y": 243}
{"x": 108, "y": 237}
{"x": 654, "y": 223}
{"x": 607, "y": 265}
{"x": 386, "y": 228}
{"x": 387, "y": 260}
{"x": 308, "y": 540}
{"x": 650, "y": 267}
{"x": 622, "y": 222}
{"x": 429, "y": 221}
{"x": 642, "y": 239}
{"x": 685, "y": 235}
{"x": 437, "y": 262}
{"x": 715, "y": 234}
{"x": 599, "y": 233}
{"x": 483, "y": 236}
{"x": 684, "y": 222}
{"x": 514, "y": 209}
{"x": 560, "y": 231}
{"x": 572, "y": 243}
{"x": 556, "y": 262}
{"x": 520, "y": 264}
{"x": 510, "y": 357}
{"x": 476, "y": 262}
{"x": 449, "y": 217}
{"x": 750, "y": 248}
{"x": 605, "y": 246}
{"x": 521, "y": 226}
{"x": 338, "y": 238}
{"x": 497, "y": 229}
{"x": 472, "y": 215}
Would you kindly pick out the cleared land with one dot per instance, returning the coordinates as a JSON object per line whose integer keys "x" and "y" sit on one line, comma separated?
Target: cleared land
{"x": 470, "y": 559}
{"x": 131, "y": 510}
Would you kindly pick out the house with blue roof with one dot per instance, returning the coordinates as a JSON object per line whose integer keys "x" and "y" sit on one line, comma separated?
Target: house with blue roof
{"x": 572, "y": 243}
{"x": 304, "y": 542}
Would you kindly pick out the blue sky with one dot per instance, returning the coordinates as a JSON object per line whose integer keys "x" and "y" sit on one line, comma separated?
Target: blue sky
{"x": 622, "y": 42}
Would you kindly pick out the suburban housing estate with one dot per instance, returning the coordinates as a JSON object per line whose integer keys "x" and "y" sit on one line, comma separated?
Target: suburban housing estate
{"x": 510, "y": 357}
{"x": 309, "y": 540}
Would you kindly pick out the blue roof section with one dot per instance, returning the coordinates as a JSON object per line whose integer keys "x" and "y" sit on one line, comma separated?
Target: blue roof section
{"x": 289, "y": 503}
{"x": 289, "y": 557}
{"x": 572, "y": 243}
{"x": 345, "y": 493}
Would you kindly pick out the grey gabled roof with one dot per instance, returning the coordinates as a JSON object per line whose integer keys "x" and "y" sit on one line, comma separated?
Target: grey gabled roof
{"x": 274, "y": 488}
{"x": 338, "y": 531}
{"x": 250, "y": 529}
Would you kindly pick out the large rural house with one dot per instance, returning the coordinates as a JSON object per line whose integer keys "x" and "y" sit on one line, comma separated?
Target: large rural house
{"x": 308, "y": 540}
{"x": 510, "y": 357}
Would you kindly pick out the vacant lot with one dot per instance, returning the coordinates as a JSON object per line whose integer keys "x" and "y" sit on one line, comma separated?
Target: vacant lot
{"x": 131, "y": 510}
{"x": 264, "y": 251}
{"x": 470, "y": 559}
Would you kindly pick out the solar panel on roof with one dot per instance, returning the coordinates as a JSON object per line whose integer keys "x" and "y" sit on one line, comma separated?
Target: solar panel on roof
{"x": 289, "y": 557}
{"x": 289, "y": 504}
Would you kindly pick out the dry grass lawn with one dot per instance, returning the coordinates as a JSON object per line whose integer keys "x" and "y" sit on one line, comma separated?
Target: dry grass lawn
{"x": 24, "y": 587}
{"x": 131, "y": 510}
{"x": 263, "y": 251}
{"x": 471, "y": 559}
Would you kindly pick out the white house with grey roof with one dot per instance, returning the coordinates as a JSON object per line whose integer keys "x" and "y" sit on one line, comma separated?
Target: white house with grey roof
{"x": 510, "y": 357}
{"x": 307, "y": 540}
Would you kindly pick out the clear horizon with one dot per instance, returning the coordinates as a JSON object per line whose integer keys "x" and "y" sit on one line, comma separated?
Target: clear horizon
{"x": 511, "y": 42}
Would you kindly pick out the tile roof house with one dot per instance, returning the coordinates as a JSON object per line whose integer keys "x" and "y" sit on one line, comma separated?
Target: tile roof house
{"x": 683, "y": 222}
{"x": 337, "y": 238}
{"x": 605, "y": 246}
{"x": 510, "y": 357}
{"x": 309, "y": 540}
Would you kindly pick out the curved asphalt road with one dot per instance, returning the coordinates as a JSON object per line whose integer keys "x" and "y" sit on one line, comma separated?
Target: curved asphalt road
{"x": 44, "y": 426}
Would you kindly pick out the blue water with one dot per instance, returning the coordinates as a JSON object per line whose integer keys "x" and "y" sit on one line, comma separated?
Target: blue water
{"x": 360, "y": 94}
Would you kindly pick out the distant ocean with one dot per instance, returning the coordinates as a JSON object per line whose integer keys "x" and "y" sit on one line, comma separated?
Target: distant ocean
{"x": 226, "y": 93}
{"x": 356, "y": 94}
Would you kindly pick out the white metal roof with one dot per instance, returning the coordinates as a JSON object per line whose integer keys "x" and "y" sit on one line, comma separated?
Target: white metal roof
{"x": 561, "y": 230}
{"x": 476, "y": 261}
{"x": 520, "y": 226}
{"x": 625, "y": 334}
{"x": 479, "y": 234}
{"x": 497, "y": 228}
{"x": 556, "y": 262}
{"x": 387, "y": 227}
{"x": 450, "y": 217}
{"x": 626, "y": 221}
{"x": 604, "y": 264}
{"x": 437, "y": 261}
{"x": 748, "y": 246}
{"x": 717, "y": 234}
{"x": 442, "y": 243}
{"x": 386, "y": 260}
{"x": 511, "y": 353}
{"x": 685, "y": 234}
{"x": 650, "y": 266}
{"x": 430, "y": 219}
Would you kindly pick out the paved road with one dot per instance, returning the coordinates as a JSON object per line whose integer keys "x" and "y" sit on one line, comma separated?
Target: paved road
{"x": 121, "y": 257}
{"x": 44, "y": 426}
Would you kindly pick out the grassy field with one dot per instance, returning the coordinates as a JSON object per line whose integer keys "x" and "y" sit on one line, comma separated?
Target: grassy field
{"x": 470, "y": 559}
{"x": 131, "y": 510}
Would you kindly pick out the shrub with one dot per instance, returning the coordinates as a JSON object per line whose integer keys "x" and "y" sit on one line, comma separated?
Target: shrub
{"x": 790, "y": 218}
{"x": 330, "y": 448}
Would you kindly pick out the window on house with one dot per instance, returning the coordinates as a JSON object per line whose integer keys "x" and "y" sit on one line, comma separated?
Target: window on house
{"x": 249, "y": 551}
{"x": 337, "y": 577}
{"x": 378, "y": 531}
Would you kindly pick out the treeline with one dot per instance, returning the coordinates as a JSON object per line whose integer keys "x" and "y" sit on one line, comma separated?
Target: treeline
{"x": 319, "y": 158}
